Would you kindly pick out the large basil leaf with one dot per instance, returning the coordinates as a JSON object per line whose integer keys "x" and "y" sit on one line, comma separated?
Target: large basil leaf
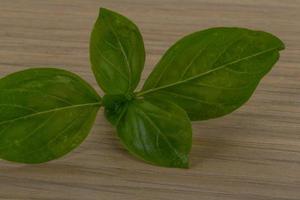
{"x": 117, "y": 53}
{"x": 44, "y": 114}
{"x": 213, "y": 72}
{"x": 156, "y": 131}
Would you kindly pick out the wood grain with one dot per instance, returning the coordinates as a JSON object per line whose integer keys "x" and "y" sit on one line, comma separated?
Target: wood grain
{"x": 251, "y": 154}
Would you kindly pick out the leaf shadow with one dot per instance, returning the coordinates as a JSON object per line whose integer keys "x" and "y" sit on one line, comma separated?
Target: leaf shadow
{"x": 206, "y": 149}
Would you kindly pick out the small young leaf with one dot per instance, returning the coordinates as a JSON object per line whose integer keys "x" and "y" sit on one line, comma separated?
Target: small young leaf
{"x": 45, "y": 113}
{"x": 213, "y": 72}
{"x": 115, "y": 107}
{"x": 117, "y": 53}
{"x": 156, "y": 131}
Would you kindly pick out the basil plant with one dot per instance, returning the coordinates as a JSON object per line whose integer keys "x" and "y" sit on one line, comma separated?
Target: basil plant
{"x": 47, "y": 112}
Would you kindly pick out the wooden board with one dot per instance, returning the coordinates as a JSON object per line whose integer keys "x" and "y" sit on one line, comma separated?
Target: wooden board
{"x": 251, "y": 154}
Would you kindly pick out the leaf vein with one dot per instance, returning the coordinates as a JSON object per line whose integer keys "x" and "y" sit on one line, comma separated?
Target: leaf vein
{"x": 123, "y": 52}
{"x": 160, "y": 133}
{"x": 206, "y": 73}
{"x": 49, "y": 111}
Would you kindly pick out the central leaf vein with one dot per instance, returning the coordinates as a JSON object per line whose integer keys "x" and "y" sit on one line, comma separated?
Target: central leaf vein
{"x": 206, "y": 73}
{"x": 49, "y": 111}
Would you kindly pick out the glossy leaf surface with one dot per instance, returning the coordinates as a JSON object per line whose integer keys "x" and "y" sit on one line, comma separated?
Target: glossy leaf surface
{"x": 45, "y": 113}
{"x": 156, "y": 131}
{"x": 213, "y": 72}
{"x": 117, "y": 53}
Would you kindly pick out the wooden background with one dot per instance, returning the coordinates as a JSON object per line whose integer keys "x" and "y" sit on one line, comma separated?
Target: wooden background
{"x": 251, "y": 154}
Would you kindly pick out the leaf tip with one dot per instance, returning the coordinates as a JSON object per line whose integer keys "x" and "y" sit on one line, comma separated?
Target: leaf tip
{"x": 282, "y": 45}
{"x": 182, "y": 162}
{"x": 185, "y": 165}
{"x": 106, "y": 12}
{"x": 103, "y": 10}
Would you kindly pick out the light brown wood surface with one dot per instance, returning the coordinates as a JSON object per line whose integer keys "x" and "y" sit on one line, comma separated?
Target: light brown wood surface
{"x": 251, "y": 154}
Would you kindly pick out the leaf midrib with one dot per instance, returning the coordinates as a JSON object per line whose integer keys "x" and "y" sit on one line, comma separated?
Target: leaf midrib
{"x": 159, "y": 132}
{"x": 205, "y": 73}
{"x": 123, "y": 52}
{"x": 51, "y": 110}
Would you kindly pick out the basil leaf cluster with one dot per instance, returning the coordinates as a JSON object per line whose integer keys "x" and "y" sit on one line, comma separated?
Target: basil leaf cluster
{"x": 47, "y": 112}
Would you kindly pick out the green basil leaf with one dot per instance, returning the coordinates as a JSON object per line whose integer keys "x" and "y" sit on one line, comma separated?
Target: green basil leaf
{"x": 117, "y": 53}
{"x": 156, "y": 131}
{"x": 213, "y": 72}
{"x": 45, "y": 113}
